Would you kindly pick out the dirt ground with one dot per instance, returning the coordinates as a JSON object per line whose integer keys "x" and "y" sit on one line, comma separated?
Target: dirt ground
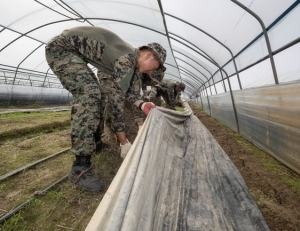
{"x": 278, "y": 202}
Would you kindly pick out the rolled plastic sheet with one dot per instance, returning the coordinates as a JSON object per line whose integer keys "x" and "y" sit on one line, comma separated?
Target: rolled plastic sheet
{"x": 176, "y": 177}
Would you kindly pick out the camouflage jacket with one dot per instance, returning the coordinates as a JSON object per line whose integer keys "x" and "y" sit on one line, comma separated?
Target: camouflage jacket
{"x": 166, "y": 90}
{"x": 109, "y": 54}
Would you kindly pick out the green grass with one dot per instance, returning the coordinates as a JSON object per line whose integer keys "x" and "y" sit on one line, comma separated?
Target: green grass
{"x": 64, "y": 207}
{"x": 13, "y": 125}
{"x": 199, "y": 108}
{"x": 29, "y": 114}
{"x": 179, "y": 108}
{"x": 19, "y": 151}
{"x": 22, "y": 105}
{"x": 287, "y": 175}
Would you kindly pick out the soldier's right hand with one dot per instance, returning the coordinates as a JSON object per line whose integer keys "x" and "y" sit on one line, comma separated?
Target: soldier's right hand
{"x": 147, "y": 107}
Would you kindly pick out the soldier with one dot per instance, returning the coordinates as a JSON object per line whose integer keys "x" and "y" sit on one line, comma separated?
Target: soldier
{"x": 139, "y": 117}
{"x": 68, "y": 55}
{"x": 170, "y": 92}
{"x": 147, "y": 80}
{"x": 151, "y": 79}
{"x": 178, "y": 101}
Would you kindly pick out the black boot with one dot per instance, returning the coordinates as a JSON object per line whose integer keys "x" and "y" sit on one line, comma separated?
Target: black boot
{"x": 99, "y": 146}
{"x": 98, "y": 140}
{"x": 83, "y": 176}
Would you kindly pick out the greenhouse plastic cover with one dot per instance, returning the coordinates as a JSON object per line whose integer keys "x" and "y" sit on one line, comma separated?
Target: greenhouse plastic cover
{"x": 200, "y": 36}
{"x": 176, "y": 177}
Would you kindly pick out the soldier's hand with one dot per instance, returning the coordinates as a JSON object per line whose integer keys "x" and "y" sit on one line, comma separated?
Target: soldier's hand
{"x": 146, "y": 107}
{"x": 125, "y": 149}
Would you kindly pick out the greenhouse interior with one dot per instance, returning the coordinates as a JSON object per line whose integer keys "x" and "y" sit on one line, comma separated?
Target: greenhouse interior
{"x": 239, "y": 61}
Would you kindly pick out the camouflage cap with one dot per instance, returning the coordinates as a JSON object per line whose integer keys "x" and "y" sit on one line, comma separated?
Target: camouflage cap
{"x": 180, "y": 85}
{"x": 159, "y": 52}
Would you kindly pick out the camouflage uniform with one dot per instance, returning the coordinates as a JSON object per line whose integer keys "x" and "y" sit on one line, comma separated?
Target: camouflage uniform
{"x": 146, "y": 80}
{"x": 68, "y": 56}
{"x": 178, "y": 101}
{"x": 154, "y": 99}
{"x": 166, "y": 90}
{"x": 106, "y": 100}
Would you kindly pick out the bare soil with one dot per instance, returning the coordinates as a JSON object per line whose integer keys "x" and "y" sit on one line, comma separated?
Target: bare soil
{"x": 278, "y": 202}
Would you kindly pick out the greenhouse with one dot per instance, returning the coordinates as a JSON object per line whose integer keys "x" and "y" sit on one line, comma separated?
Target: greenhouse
{"x": 239, "y": 61}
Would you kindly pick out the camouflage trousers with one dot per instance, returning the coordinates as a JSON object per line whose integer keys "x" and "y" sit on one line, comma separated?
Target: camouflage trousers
{"x": 75, "y": 75}
{"x": 107, "y": 110}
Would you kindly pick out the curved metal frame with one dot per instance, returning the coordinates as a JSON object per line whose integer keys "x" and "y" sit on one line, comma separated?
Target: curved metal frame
{"x": 198, "y": 64}
{"x": 266, "y": 38}
{"x": 197, "y": 53}
{"x": 197, "y": 28}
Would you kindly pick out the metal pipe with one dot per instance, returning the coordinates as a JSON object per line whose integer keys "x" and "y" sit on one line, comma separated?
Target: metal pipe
{"x": 16, "y": 171}
{"x": 35, "y": 196}
{"x": 266, "y": 37}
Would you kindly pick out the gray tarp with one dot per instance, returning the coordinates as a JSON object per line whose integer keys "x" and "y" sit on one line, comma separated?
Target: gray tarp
{"x": 177, "y": 177}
